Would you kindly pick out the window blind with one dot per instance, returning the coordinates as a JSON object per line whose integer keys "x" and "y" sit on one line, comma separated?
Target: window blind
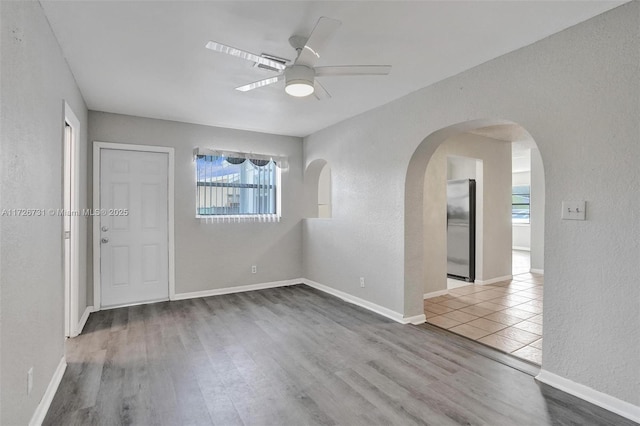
{"x": 520, "y": 204}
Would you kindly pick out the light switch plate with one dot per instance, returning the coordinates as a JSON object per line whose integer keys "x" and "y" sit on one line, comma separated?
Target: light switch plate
{"x": 574, "y": 210}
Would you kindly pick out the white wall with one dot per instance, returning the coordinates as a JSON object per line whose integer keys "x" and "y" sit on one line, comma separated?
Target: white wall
{"x": 459, "y": 167}
{"x": 456, "y": 158}
{"x": 324, "y": 193}
{"x": 521, "y": 178}
{"x": 521, "y": 236}
{"x": 538, "y": 203}
{"x": 218, "y": 255}
{"x": 35, "y": 83}
{"x": 577, "y": 93}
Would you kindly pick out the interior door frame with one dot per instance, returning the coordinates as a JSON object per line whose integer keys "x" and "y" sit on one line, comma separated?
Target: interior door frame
{"x": 97, "y": 149}
{"x": 71, "y": 154}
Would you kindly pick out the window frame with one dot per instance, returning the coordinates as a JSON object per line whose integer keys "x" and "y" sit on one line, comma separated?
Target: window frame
{"x": 526, "y": 221}
{"x": 262, "y": 217}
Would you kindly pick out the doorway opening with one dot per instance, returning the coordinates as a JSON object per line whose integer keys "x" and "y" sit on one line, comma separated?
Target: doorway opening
{"x": 521, "y": 261}
{"x": 70, "y": 221}
{"x": 503, "y": 307}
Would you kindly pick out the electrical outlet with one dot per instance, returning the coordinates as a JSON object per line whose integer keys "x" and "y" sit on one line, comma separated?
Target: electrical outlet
{"x": 29, "y": 380}
{"x": 254, "y": 269}
{"x": 362, "y": 282}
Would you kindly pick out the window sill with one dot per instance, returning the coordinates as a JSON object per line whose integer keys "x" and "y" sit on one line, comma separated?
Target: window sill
{"x": 240, "y": 218}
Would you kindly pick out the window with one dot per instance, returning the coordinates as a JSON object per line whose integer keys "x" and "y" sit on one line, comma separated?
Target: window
{"x": 238, "y": 187}
{"x": 520, "y": 204}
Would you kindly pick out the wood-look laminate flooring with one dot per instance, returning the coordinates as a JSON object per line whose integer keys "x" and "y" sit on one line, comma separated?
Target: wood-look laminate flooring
{"x": 291, "y": 356}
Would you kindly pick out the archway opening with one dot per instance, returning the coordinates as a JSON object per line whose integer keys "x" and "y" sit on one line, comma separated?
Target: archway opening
{"x": 496, "y": 307}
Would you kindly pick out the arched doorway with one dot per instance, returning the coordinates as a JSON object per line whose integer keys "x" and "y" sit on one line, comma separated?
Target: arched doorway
{"x": 499, "y": 309}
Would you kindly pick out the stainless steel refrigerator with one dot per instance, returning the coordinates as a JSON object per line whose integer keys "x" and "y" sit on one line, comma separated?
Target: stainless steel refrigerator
{"x": 461, "y": 229}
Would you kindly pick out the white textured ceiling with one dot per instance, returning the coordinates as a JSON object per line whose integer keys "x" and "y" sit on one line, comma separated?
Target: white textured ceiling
{"x": 504, "y": 132}
{"x": 147, "y": 58}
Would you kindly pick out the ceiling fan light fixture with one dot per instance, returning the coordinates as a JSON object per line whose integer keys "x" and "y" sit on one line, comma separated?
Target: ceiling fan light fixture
{"x": 299, "y": 81}
{"x": 299, "y": 89}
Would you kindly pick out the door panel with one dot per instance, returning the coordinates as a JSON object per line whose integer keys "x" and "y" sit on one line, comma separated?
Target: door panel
{"x": 150, "y": 259}
{"x": 119, "y": 198}
{"x": 134, "y": 260}
{"x": 119, "y": 265}
{"x": 150, "y": 195}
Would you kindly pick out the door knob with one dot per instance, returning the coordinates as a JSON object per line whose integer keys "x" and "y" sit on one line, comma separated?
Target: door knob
{"x": 105, "y": 228}
{"x": 104, "y": 240}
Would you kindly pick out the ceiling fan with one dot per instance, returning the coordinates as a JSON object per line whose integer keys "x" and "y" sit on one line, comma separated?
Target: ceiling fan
{"x": 300, "y": 76}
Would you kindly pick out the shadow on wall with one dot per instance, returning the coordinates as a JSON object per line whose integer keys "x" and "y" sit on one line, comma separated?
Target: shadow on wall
{"x": 317, "y": 189}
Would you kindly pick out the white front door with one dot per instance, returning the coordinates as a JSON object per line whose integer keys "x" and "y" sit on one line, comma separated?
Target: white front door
{"x": 134, "y": 255}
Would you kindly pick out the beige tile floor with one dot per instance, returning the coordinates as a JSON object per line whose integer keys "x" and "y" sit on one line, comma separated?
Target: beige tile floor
{"x": 505, "y": 315}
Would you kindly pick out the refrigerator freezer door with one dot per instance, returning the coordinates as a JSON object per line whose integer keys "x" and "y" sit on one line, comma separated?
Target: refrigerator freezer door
{"x": 461, "y": 229}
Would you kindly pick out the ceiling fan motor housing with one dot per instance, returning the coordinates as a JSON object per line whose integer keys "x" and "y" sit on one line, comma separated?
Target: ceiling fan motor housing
{"x": 299, "y": 80}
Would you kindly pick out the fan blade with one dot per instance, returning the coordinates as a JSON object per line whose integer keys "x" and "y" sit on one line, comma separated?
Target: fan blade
{"x": 320, "y": 36}
{"x": 260, "y": 83}
{"x": 353, "y": 70}
{"x": 223, "y": 48}
{"x": 319, "y": 91}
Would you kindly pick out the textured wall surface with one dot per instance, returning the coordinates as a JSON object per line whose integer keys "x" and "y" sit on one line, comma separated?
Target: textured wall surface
{"x": 538, "y": 203}
{"x": 435, "y": 221}
{"x": 212, "y": 255}
{"x": 35, "y": 82}
{"x": 577, "y": 93}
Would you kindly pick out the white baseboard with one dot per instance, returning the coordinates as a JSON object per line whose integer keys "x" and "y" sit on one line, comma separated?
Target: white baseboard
{"x": 83, "y": 321}
{"x": 494, "y": 280}
{"x": 452, "y": 283}
{"x": 237, "y": 289}
{"x": 537, "y": 271}
{"x": 128, "y": 305}
{"x": 380, "y": 310}
{"x": 521, "y": 248}
{"x": 435, "y": 293}
{"x": 47, "y": 398}
{"x": 608, "y": 402}
{"x": 415, "y": 320}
